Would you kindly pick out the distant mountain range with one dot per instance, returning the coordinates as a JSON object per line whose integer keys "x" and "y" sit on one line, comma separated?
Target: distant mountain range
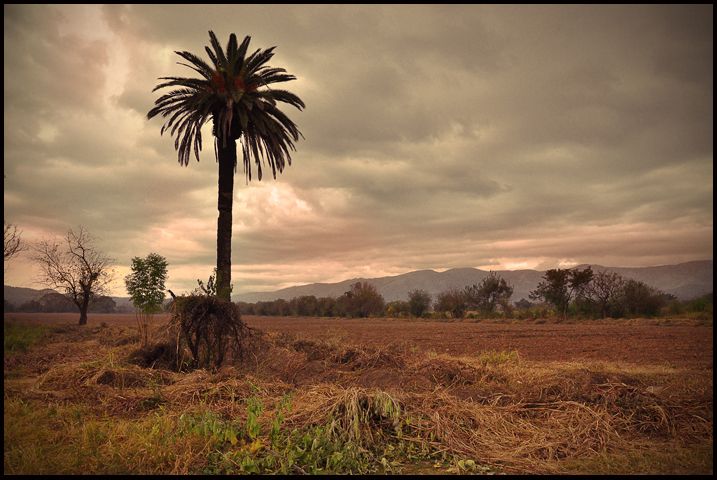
{"x": 19, "y": 295}
{"x": 684, "y": 280}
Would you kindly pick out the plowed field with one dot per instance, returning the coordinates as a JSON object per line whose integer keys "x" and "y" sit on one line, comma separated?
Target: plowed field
{"x": 634, "y": 343}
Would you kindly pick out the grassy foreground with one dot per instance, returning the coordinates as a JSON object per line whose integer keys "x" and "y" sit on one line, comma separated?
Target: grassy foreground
{"x": 74, "y": 403}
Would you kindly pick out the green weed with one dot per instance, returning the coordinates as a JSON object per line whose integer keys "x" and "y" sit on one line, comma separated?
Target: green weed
{"x": 18, "y": 338}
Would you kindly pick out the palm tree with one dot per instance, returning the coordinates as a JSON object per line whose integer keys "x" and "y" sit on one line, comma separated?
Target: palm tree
{"x": 235, "y": 93}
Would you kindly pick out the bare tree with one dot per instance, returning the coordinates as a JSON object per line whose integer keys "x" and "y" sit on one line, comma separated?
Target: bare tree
{"x": 12, "y": 244}
{"x": 75, "y": 267}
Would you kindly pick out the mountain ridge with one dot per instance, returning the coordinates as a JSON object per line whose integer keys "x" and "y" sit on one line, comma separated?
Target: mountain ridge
{"x": 685, "y": 280}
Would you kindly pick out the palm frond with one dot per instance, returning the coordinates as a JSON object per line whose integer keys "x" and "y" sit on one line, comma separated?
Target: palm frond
{"x": 218, "y": 50}
{"x": 241, "y": 53}
{"x": 197, "y": 64}
{"x": 213, "y": 58}
{"x": 286, "y": 97}
{"x": 259, "y": 58}
{"x": 235, "y": 94}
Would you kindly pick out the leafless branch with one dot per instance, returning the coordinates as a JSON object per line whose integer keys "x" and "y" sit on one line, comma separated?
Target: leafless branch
{"x": 12, "y": 243}
{"x": 74, "y": 266}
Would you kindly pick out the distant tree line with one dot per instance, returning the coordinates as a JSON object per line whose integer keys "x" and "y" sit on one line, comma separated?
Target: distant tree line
{"x": 361, "y": 300}
{"x": 599, "y": 294}
{"x": 54, "y": 302}
{"x": 561, "y": 292}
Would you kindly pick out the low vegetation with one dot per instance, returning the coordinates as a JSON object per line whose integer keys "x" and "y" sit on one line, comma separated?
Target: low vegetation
{"x": 560, "y": 296}
{"x": 18, "y": 338}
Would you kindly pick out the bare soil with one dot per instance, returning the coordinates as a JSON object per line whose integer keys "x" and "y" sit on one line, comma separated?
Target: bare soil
{"x": 639, "y": 344}
{"x": 668, "y": 345}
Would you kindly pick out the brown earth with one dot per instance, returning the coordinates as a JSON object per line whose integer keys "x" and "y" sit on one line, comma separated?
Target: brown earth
{"x": 630, "y": 343}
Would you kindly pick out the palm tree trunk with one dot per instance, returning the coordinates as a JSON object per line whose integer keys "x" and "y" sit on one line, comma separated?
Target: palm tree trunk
{"x": 227, "y": 159}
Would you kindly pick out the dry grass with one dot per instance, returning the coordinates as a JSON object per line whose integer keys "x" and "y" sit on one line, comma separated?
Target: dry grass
{"x": 493, "y": 409}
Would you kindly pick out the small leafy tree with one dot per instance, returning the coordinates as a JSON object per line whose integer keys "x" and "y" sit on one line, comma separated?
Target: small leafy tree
{"x": 306, "y": 306}
{"x": 419, "y": 301}
{"x": 145, "y": 286}
{"x": 579, "y": 284}
{"x": 553, "y": 289}
{"x": 491, "y": 292}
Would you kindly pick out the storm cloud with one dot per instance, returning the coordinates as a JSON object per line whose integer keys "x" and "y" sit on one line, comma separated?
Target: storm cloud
{"x": 435, "y": 137}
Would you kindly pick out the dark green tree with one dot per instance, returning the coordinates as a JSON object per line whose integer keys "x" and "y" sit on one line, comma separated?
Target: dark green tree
{"x": 419, "y": 301}
{"x": 638, "y": 298}
{"x": 363, "y": 300}
{"x": 303, "y": 306}
{"x": 560, "y": 286}
{"x": 235, "y": 92}
{"x": 491, "y": 292}
{"x": 325, "y": 306}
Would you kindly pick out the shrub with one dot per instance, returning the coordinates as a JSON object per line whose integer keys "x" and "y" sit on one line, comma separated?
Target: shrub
{"x": 452, "y": 300}
{"x": 398, "y": 308}
{"x": 638, "y": 298}
{"x": 701, "y": 304}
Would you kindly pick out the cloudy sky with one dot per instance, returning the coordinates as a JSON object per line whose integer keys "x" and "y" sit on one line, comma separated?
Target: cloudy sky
{"x": 497, "y": 137}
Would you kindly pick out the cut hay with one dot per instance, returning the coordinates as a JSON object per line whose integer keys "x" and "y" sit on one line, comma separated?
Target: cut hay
{"x": 356, "y": 357}
{"x": 69, "y": 376}
{"x": 366, "y": 417}
{"x": 225, "y": 391}
{"x": 525, "y": 418}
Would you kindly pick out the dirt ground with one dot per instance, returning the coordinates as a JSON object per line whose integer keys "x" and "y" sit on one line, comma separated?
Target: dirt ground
{"x": 670, "y": 345}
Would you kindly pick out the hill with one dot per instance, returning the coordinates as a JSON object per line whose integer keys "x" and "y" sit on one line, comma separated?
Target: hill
{"x": 685, "y": 281}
